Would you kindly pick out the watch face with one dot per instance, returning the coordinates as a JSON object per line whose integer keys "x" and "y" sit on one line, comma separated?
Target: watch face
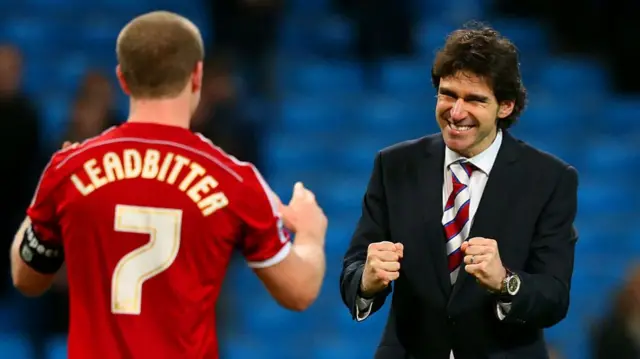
{"x": 513, "y": 284}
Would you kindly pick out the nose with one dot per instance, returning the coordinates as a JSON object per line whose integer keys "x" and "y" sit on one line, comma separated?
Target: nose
{"x": 457, "y": 111}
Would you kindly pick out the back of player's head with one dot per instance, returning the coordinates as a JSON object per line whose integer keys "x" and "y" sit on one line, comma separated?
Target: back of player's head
{"x": 482, "y": 51}
{"x": 158, "y": 53}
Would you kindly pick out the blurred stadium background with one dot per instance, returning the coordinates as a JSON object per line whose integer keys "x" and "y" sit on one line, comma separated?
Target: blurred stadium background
{"x": 310, "y": 90}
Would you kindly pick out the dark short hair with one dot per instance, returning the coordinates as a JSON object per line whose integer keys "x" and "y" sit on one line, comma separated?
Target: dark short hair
{"x": 481, "y": 50}
{"x": 157, "y": 53}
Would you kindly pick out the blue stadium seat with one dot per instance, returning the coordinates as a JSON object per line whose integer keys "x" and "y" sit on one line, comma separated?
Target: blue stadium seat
{"x": 51, "y": 5}
{"x": 529, "y": 37}
{"x": 579, "y": 346}
{"x": 293, "y": 40}
{"x": 16, "y": 346}
{"x": 632, "y": 247}
{"x": 338, "y": 236}
{"x": 56, "y": 348}
{"x": 555, "y": 119}
{"x": 242, "y": 282}
{"x": 288, "y": 152}
{"x": 101, "y": 31}
{"x": 312, "y": 114}
{"x": 368, "y": 331}
{"x": 431, "y": 36}
{"x": 323, "y": 78}
{"x": 192, "y": 10}
{"x": 282, "y": 181}
{"x": 564, "y": 148}
{"x": 455, "y": 11}
{"x": 348, "y": 189}
{"x": 248, "y": 347}
{"x": 132, "y": 8}
{"x": 574, "y": 78}
{"x": 341, "y": 348}
{"x": 343, "y": 193}
{"x": 611, "y": 157}
{"x": 595, "y": 238}
{"x": 529, "y": 69}
{"x": 334, "y": 36}
{"x": 393, "y": 114}
{"x": 12, "y": 318}
{"x": 603, "y": 198}
{"x": 585, "y": 306}
{"x": 69, "y": 70}
{"x": 619, "y": 112}
{"x": 407, "y": 77}
{"x": 358, "y": 155}
{"x": 37, "y": 77}
{"x": 267, "y": 317}
{"x": 34, "y": 37}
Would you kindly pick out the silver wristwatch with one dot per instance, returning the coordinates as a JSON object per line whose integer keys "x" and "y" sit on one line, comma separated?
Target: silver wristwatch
{"x": 510, "y": 284}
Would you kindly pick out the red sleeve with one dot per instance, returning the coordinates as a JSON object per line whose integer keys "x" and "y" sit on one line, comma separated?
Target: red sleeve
{"x": 42, "y": 211}
{"x": 265, "y": 241}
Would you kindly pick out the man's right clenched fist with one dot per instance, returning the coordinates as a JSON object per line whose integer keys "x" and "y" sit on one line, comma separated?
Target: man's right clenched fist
{"x": 382, "y": 267}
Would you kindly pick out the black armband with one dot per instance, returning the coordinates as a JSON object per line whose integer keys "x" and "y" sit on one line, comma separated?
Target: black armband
{"x": 45, "y": 258}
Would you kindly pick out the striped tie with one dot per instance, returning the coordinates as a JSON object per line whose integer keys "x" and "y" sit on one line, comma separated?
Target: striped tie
{"x": 456, "y": 215}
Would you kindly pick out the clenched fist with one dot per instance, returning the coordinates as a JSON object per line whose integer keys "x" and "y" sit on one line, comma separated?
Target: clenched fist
{"x": 381, "y": 268}
{"x": 482, "y": 259}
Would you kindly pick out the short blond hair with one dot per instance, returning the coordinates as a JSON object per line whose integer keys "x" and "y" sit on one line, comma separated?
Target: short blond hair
{"x": 157, "y": 53}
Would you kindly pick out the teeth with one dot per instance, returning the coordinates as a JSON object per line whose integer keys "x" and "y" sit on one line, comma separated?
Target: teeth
{"x": 459, "y": 128}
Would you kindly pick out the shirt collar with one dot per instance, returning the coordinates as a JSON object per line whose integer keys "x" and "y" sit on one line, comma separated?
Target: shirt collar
{"x": 483, "y": 161}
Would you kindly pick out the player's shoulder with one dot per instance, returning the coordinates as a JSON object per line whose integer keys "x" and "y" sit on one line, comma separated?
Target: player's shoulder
{"x": 244, "y": 172}
{"x": 64, "y": 161}
{"x": 249, "y": 187}
{"x": 63, "y": 156}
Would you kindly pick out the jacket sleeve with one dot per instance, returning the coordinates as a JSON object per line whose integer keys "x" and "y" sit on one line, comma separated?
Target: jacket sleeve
{"x": 543, "y": 298}
{"x": 372, "y": 228}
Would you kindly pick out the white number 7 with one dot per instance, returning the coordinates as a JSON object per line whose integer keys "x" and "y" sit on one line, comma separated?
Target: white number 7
{"x": 163, "y": 227}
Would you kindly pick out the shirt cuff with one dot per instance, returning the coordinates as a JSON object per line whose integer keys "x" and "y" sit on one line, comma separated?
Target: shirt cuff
{"x": 502, "y": 310}
{"x": 363, "y": 308}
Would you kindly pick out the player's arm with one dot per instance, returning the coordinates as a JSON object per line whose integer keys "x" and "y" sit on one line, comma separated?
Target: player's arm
{"x": 36, "y": 251}
{"x": 33, "y": 262}
{"x": 295, "y": 282}
{"x": 294, "y": 274}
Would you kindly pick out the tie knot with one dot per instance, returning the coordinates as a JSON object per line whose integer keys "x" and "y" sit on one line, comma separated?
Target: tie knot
{"x": 468, "y": 167}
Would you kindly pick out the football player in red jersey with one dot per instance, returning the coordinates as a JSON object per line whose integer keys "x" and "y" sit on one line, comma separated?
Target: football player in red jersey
{"x": 147, "y": 214}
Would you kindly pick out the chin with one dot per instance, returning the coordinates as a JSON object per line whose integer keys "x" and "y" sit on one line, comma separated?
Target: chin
{"x": 459, "y": 145}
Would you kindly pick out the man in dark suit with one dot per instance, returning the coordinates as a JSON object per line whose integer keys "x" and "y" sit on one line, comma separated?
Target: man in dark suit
{"x": 474, "y": 227}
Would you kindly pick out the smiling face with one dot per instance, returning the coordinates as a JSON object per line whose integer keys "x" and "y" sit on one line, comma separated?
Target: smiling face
{"x": 467, "y": 112}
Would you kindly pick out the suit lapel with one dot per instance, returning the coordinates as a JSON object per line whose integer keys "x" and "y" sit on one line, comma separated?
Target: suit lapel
{"x": 495, "y": 202}
{"x": 430, "y": 181}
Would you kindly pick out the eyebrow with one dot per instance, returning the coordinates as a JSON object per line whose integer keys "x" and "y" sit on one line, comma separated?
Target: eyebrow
{"x": 469, "y": 97}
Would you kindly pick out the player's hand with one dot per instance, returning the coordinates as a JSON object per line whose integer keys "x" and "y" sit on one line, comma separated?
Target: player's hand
{"x": 482, "y": 260}
{"x": 381, "y": 268}
{"x": 303, "y": 214}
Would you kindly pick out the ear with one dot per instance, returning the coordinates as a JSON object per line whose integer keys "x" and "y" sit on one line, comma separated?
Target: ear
{"x": 506, "y": 108}
{"x": 122, "y": 82}
{"x": 196, "y": 77}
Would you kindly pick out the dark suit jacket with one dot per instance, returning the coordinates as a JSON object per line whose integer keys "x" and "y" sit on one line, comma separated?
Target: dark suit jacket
{"x": 528, "y": 207}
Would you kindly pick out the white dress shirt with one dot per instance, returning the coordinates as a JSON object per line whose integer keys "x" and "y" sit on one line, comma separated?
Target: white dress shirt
{"x": 484, "y": 163}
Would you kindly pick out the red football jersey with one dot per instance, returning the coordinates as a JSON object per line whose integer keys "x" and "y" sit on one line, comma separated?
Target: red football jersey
{"x": 148, "y": 216}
